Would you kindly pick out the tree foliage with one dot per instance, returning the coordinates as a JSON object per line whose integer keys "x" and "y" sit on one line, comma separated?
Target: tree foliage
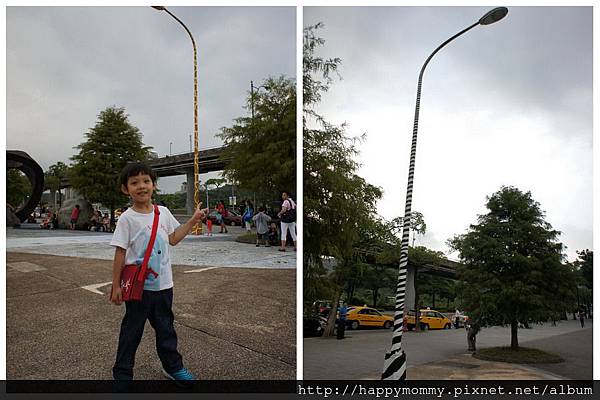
{"x": 54, "y": 175}
{"x": 337, "y": 202}
{"x": 262, "y": 150}
{"x": 513, "y": 270}
{"x": 172, "y": 200}
{"x": 111, "y": 144}
{"x": 585, "y": 265}
{"x": 18, "y": 187}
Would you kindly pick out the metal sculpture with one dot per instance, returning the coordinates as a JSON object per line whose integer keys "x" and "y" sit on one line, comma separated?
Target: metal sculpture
{"x": 20, "y": 160}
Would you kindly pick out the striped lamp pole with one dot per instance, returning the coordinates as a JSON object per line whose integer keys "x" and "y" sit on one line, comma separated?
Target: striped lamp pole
{"x": 197, "y": 229}
{"x": 395, "y": 357}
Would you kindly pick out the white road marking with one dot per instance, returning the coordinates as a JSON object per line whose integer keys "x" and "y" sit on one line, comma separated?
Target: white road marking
{"x": 94, "y": 288}
{"x": 199, "y": 270}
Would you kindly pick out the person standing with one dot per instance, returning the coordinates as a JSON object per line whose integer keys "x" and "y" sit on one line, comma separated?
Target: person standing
{"x": 222, "y": 210}
{"x": 208, "y": 227}
{"x": 472, "y": 331}
{"x": 130, "y": 241}
{"x": 261, "y": 220}
{"x": 288, "y": 219}
{"x": 342, "y": 313}
{"x": 74, "y": 216}
{"x": 248, "y": 214}
{"x": 581, "y": 318}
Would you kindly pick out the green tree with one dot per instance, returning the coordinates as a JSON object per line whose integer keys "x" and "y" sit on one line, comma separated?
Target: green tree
{"x": 419, "y": 257}
{"x": 585, "y": 264}
{"x": 583, "y": 271}
{"x": 337, "y": 202}
{"x": 416, "y": 223}
{"x": 512, "y": 264}
{"x": 261, "y": 151}
{"x": 172, "y": 200}
{"x": 52, "y": 178}
{"x": 111, "y": 144}
{"x": 18, "y": 188}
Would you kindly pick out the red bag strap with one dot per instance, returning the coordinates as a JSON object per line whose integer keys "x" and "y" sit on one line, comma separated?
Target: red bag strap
{"x": 142, "y": 272}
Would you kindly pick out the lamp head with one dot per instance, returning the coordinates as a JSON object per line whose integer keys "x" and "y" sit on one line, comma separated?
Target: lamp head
{"x": 494, "y": 15}
{"x": 159, "y": 8}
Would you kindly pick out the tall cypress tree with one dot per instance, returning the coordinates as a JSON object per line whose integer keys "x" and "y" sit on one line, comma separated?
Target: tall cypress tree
{"x": 513, "y": 270}
{"x": 111, "y": 144}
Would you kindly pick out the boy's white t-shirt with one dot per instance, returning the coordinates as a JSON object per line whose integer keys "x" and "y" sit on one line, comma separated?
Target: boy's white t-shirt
{"x": 133, "y": 234}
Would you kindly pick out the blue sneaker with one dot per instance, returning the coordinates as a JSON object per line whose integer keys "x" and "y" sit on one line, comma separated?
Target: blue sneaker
{"x": 183, "y": 377}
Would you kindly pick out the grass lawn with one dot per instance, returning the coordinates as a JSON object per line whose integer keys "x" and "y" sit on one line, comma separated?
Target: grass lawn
{"x": 523, "y": 355}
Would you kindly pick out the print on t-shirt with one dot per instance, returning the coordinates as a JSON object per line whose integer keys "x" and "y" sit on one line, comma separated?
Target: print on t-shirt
{"x": 156, "y": 257}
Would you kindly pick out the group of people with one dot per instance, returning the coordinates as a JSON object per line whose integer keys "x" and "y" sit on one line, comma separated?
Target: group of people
{"x": 267, "y": 233}
{"x": 99, "y": 222}
{"x": 265, "y": 230}
{"x": 50, "y": 221}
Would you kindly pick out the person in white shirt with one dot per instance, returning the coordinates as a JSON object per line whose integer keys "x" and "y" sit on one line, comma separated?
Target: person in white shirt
{"x": 288, "y": 219}
{"x": 130, "y": 239}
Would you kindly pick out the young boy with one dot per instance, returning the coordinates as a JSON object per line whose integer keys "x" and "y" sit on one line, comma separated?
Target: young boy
{"x": 130, "y": 240}
{"x": 261, "y": 220}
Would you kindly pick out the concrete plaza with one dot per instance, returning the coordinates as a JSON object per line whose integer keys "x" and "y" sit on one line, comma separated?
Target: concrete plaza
{"x": 234, "y": 306}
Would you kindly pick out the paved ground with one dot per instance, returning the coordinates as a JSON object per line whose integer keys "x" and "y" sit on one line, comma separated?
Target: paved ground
{"x": 235, "y": 317}
{"x": 435, "y": 353}
{"x": 219, "y": 250}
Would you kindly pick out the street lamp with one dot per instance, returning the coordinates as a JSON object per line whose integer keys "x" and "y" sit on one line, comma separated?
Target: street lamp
{"x": 197, "y": 229}
{"x": 395, "y": 358}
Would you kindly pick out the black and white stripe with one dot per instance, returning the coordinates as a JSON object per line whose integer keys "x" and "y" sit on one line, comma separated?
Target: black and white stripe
{"x": 395, "y": 358}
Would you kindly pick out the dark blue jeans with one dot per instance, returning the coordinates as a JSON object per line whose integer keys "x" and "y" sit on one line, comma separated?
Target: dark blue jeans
{"x": 155, "y": 307}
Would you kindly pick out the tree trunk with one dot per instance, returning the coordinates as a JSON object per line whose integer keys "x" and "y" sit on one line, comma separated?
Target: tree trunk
{"x": 349, "y": 290}
{"x": 514, "y": 341}
{"x": 375, "y": 296}
{"x": 332, "y": 316}
{"x": 447, "y": 303}
{"x": 417, "y": 308}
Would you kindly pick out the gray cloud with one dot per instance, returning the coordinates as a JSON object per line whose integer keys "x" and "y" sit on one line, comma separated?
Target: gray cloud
{"x": 66, "y": 64}
{"x": 509, "y": 103}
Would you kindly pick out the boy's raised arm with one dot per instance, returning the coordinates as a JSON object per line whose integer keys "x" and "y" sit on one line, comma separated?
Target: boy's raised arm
{"x": 179, "y": 233}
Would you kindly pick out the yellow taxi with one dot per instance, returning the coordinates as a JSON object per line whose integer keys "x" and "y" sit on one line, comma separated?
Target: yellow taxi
{"x": 430, "y": 319}
{"x": 367, "y": 316}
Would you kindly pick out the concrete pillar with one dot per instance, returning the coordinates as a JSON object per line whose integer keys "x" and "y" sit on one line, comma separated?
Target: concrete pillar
{"x": 189, "y": 200}
{"x": 409, "y": 299}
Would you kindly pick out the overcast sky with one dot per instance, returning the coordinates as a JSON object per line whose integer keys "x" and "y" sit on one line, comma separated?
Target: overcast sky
{"x": 66, "y": 64}
{"x": 504, "y": 104}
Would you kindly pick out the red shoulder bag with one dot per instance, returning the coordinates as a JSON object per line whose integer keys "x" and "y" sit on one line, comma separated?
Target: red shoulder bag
{"x": 132, "y": 276}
